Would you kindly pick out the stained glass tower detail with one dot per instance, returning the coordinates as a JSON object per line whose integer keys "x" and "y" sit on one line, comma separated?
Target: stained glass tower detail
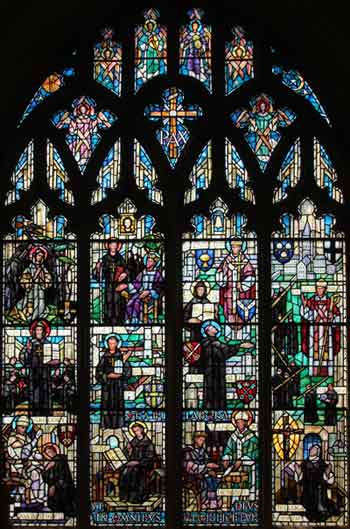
{"x": 290, "y": 172}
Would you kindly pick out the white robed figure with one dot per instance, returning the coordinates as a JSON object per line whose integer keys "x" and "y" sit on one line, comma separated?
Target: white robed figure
{"x": 26, "y": 462}
{"x": 35, "y": 280}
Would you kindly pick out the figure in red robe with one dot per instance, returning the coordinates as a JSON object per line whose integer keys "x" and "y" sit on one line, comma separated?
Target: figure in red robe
{"x": 236, "y": 277}
{"x": 320, "y": 330}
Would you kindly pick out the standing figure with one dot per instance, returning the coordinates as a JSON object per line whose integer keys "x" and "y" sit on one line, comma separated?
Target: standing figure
{"x": 111, "y": 269}
{"x": 145, "y": 292}
{"x": 112, "y": 372}
{"x": 278, "y": 390}
{"x": 330, "y": 399}
{"x": 320, "y": 330}
{"x": 310, "y": 405}
{"x": 317, "y": 476}
{"x": 195, "y": 58}
{"x": 38, "y": 371}
{"x": 151, "y": 48}
{"x": 35, "y": 280}
{"x": 62, "y": 496}
{"x": 213, "y": 365}
{"x": 236, "y": 277}
{"x": 134, "y": 483}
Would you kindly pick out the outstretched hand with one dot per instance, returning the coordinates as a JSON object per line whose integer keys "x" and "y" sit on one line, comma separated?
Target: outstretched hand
{"x": 247, "y": 345}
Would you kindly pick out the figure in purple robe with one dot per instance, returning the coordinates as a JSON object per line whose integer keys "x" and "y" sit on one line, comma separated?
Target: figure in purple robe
{"x": 145, "y": 292}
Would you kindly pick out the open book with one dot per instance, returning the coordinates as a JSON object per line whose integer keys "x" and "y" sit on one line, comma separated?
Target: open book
{"x": 203, "y": 311}
{"x": 115, "y": 457}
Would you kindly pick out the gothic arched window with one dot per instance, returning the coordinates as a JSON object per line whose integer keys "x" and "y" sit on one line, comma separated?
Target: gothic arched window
{"x": 174, "y": 331}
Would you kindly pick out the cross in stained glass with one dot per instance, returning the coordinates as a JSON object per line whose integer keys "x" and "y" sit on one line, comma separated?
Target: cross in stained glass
{"x": 261, "y": 126}
{"x": 173, "y": 134}
{"x": 83, "y": 125}
{"x": 287, "y": 431}
{"x": 333, "y": 250}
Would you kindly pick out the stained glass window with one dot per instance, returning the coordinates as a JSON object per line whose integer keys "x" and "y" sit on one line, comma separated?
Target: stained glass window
{"x": 39, "y": 389}
{"x": 57, "y": 175}
{"x": 127, "y": 406}
{"x": 220, "y": 370}
{"x": 309, "y": 369}
{"x": 174, "y": 255}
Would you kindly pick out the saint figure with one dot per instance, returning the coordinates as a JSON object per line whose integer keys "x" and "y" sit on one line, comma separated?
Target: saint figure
{"x": 193, "y": 321}
{"x": 236, "y": 277}
{"x": 25, "y": 463}
{"x": 38, "y": 371}
{"x": 134, "y": 483}
{"x": 145, "y": 292}
{"x": 213, "y": 365}
{"x": 320, "y": 330}
{"x": 112, "y": 372}
{"x": 241, "y": 451}
{"x": 317, "y": 477}
{"x": 330, "y": 399}
{"x": 112, "y": 271}
{"x": 35, "y": 280}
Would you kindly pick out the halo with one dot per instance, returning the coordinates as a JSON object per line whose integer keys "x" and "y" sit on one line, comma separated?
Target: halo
{"x": 213, "y": 323}
{"x": 111, "y": 335}
{"x": 195, "y": 283}
{"x": 154, "y": 256}
{"x": 137, "y": 423}
{"x": 16, "y": 419}
{"x": 36, "y": 249}
{"x": 110, "y": 240}
{"x": 248, "y": 413}
{"x": 200, "y": 433}
{"x": 239, "y": 241}
{"x": 49, "y": 445}
{"x": 43, "y": 323}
